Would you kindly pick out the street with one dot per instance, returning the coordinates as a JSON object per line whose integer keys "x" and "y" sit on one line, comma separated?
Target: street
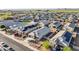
{"x": 16, "y": 46}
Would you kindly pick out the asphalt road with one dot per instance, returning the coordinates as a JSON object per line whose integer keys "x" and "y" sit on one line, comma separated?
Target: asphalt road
{"x": 16, "y": 46}
{"x": 77, "y": 40}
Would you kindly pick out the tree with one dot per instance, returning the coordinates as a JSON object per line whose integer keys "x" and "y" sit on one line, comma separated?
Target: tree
{"x": 46, "y": 44}
{"x": 2, "y": 26}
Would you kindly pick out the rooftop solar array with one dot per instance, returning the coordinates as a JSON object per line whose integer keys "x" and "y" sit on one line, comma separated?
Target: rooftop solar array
{"x": 57, "y": 24}
{"x": 14, "y": 24}
{"x": 76, "y": 29}
{"x": 68, "y": 36}
{"x": 42, "y": 32}
{"x": 28, "y": 27}
{"x": 45, "y": 22}
{"x": 11, "y": 23}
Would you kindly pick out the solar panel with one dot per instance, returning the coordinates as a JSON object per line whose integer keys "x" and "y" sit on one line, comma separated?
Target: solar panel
{"x": 68, "y": 36}
{"x": 12, "y": 23}
{"x": 76, "y": 29}
{"x": 29, "y": 27}
{"x": 43, "y": 32}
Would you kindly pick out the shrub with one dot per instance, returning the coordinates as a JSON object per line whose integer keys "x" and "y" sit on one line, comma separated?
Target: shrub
{"x": 46, "y": 44}
{"x": 67, "y": 49}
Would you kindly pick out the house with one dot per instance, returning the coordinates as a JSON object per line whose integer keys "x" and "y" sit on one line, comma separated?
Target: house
{"x": 62, "y": 38}
{"x": 43, "y": 23}
{"x": 77, "y": 24}
{"x": 11, "y": 24}
{"x": 65, "y": 39}
{"x": 30, "y": 27}
{"x": 39, "y": 33}
{"x": 25, "y": 18}
{"x": 19, "y": 26}
{"x": 15, "y": 25}
{"x": 71, "y": 27}
{"x": 65, "y": 27}
{"x": 54, "y": 38}
{"x": 56, "y": 25}
{"x": 51, "y": 25}
{"x": 76, "y": 30}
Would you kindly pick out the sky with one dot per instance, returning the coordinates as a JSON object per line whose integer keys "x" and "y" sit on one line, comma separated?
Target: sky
{"x": 25, "y": 4}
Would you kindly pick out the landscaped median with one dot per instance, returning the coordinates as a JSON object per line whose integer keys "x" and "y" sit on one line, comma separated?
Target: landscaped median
{"x": 22, "y": 42}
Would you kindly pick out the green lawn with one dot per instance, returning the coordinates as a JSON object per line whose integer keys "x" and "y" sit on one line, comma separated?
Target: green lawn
{"x": 63, "y": 10}
{"x": 5, "y": 15}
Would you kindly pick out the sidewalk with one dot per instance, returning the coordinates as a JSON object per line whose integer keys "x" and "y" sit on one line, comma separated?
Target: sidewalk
{"x": 22, "y": 42}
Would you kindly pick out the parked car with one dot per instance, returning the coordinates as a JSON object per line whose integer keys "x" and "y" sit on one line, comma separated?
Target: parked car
{"x": 5, "y": 47}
